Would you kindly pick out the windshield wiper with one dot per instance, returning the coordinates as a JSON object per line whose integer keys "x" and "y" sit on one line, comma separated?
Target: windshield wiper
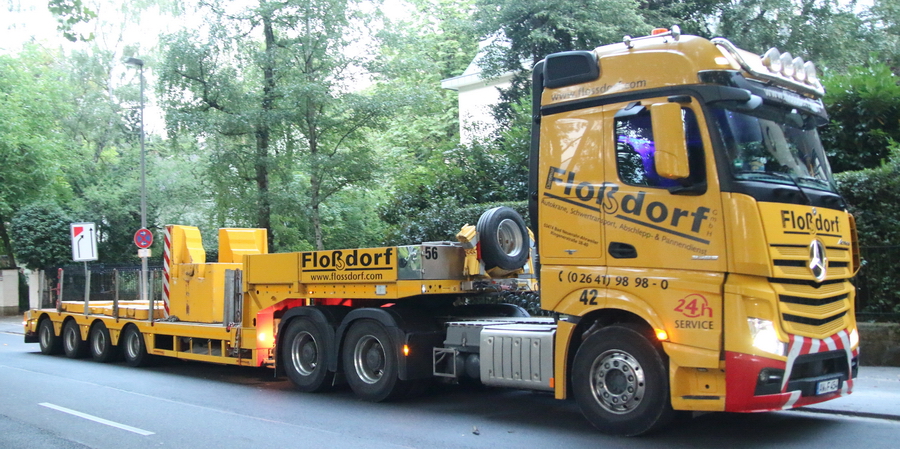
{"x": 786, "y": 176}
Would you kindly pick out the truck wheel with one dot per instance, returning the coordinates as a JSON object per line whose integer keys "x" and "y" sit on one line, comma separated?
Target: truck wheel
{"x": 504, "y": 239}
{"x": 50, "y": 343}
{"x": 304, "y": 354}
{"x": 134, "y": 348}
{"x": 73, "y": 345}
{"x": 102, "y": 349}
{"x": 370, "y": 362}
{"x": 620, "y": 382}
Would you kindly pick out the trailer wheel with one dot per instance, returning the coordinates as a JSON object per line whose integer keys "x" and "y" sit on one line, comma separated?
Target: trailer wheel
{"x": 134, "y": 348}
{"x": 304, "y": 354}
{"x": 620, "y": 382}
{"x": 102, "y": 349}
{"x": 51, "y": 344}
{"x": 73, "y": 345}
{"x": 504, "y": 239}
{"x": 370, "y": 362}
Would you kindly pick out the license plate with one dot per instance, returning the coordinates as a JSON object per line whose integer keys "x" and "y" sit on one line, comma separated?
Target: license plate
{"x": 827, "y": 386}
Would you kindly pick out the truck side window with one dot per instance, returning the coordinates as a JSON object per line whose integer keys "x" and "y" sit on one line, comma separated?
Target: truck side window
{"x": 635, "y": 148}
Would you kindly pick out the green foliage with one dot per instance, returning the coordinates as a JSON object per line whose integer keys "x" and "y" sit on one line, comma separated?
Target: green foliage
{"x": 864, "y": 108}
{"x": 874, "y": 198}
{"x": 40, "y": 235}
{"x": 268, "y": 93}
{"x": 523, "y": 33}
{"x": 69, "y": 14}
{"x": 434, "y": 200}
{"x": 806, "y": 28}
{"x": 32, "y": 144}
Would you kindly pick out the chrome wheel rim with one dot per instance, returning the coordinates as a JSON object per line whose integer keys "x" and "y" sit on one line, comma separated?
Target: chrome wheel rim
{"x": 617, "y": 382}
{"x": 305, "y": 353}
{"x": 509, "y": 237}
{"x": 369, "y": 359}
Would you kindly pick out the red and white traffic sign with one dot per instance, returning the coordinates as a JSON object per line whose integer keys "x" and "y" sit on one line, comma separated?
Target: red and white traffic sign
{"x": 84, "y": 242}
{"x": 143, "y": 238}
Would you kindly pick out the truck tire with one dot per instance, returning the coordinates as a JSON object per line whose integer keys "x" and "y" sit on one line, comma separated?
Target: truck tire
{"x": 304, "y": 354}
{"x": 620, "y": 382}
{"x": 51, "y": 344}
{"x": 102, "y": 349}
{"x": 73, "y": 345}
{"x": 370, "y": 362}
{"x": 504, "y": 239}
{"x": 134, "y": 348}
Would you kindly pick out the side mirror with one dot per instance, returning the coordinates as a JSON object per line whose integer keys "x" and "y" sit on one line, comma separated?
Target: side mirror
{"x": 671, "y": 157}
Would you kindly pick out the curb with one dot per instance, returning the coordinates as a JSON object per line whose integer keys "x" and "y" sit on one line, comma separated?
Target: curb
{"x": 847, "y": 413}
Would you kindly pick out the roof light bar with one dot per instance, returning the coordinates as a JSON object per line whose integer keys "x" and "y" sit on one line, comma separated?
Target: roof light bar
{"x": 779, "y": 68}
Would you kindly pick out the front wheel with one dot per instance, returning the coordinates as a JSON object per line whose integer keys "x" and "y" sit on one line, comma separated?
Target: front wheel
{"x": 304, "y": 355}
{"x": 620, "y": 382}
{"x": 73, "y": 345}
{"x": 370, "y": 362}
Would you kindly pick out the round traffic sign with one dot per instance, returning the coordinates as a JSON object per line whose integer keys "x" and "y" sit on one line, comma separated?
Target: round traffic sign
{"x": 143, "y": 238}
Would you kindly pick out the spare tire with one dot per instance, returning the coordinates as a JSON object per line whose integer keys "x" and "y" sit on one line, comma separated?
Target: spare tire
{"x": 504, "y": 239}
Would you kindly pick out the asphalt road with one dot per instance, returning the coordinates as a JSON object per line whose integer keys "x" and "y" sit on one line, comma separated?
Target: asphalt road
{"x": 55, "y": 402}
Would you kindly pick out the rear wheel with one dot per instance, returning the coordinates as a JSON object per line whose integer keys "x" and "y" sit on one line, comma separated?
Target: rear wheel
{"x": 73, "y": 345}
{"x": 620, "y": 382}
{"x": 371, "y": 362}
{"x": 304, "y": 354}
{"x": 50, "y": 343}
{"x": 134, "y": 348}
{"x": 102, "y": 349}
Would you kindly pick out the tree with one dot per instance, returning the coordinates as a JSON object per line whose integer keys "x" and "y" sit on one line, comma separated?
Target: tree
{"x": 864, "y": 110}
{"x": 523, "y": 33}
{"x": 32, "y": 144}
{"x": 278, "y": 80}
{"x": 70, "y": 14}
{"x": 827, "y": 32}
{"x": 40, "y": 235}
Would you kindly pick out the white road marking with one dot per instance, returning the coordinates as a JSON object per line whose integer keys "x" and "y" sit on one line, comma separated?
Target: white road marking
{"x": 96, "y": 419}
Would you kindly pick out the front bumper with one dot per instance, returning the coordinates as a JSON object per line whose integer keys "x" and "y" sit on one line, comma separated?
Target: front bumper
{"x": 815, "y": 371}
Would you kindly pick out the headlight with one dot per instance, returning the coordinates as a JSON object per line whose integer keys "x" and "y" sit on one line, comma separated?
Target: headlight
{"x": 764, "y": 337}
{"x": 854, "y": 338}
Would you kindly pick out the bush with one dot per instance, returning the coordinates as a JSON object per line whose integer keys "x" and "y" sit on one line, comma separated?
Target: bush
{"x": 874, "y": 199}
{"x": 40, "y": 235}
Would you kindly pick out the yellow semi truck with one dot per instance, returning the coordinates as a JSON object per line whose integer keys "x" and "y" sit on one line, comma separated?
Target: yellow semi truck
{"x": 688, "y": 241}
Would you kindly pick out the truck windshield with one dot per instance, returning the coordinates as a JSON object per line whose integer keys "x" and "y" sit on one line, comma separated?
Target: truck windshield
{"x": 774, "y": 145}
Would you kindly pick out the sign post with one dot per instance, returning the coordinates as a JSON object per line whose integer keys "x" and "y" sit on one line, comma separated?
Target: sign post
{"x": 143, "y": 238}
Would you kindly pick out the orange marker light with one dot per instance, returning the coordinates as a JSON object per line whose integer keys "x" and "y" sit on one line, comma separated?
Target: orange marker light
{"x": 406, "y": 350}
{"x": 659, "y": 31}
{"x": 661, "y": 335}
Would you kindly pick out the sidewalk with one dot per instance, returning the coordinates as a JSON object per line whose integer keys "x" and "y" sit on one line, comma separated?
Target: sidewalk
{"x": 875, "y": 395}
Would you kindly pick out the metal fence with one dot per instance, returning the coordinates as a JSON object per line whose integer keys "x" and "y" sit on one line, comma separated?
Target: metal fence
{"x": 878, "y": 284}
{"x": 106, "y": 283}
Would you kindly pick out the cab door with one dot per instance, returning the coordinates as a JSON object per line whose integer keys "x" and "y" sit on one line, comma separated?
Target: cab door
{"x": 571, "y": 192}
{"x": 664, "y": 238}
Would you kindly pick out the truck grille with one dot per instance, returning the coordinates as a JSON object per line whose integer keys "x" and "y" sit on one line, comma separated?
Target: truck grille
{"x": 808, "y": 308}
{"x": 812, "y": 310}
